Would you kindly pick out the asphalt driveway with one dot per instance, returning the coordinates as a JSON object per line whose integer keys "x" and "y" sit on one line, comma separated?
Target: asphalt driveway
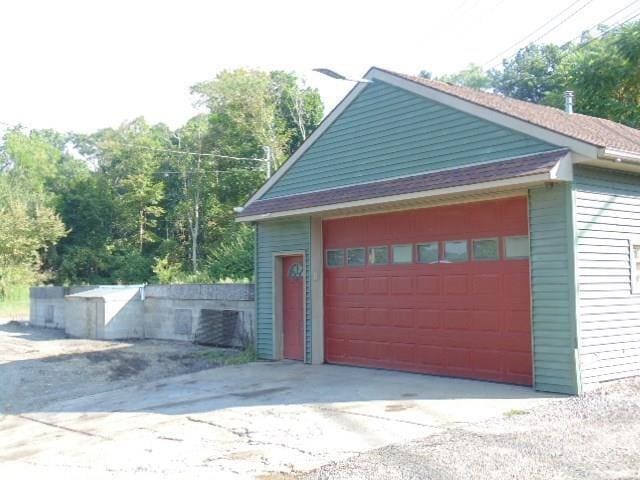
{"x": 258, "y": 420}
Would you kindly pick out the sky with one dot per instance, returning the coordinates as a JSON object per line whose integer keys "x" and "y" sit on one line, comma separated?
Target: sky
{"x": 84, "y": 65}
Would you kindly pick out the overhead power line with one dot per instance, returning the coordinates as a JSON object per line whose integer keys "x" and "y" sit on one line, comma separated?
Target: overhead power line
{"x": 608, "y": 30}
{"x": 200, "y": 171}
{"x": 603, "y": 22}
{"x": 547, "y": 32}
{"x": 168, "y": 150}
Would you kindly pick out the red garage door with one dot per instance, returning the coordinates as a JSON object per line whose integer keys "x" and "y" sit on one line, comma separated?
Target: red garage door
{"x": 443, "y": 290}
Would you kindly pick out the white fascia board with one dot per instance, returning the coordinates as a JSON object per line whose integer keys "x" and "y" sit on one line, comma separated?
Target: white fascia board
{"x": 563, "y": 170}
{"x": 486, "y": 113}
{"x": 464, "y": 189}
{"x": 614, "y": 154}
{"x": 326, "y": 123}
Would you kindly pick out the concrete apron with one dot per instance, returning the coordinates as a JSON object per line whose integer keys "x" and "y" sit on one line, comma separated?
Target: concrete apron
{"x": 245, "y": 421}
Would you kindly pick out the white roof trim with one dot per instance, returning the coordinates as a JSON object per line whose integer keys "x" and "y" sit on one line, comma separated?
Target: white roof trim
{"x": 614, "y": 154}
{"x": 563, "y": 170}
{"x": 462, "y": 189}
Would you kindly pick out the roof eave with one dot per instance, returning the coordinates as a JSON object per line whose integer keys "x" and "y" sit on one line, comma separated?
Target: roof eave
{"x": 615, "y": 154}
{"x": 559, "y": 173}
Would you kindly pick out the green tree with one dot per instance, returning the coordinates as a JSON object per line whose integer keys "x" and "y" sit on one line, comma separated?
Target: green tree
{"x": 473, "y": 76}
{"x": 251, "y": 109}
{"x": 29, "y": 225}
{"x": 30, "y": 159}
{"x": 299, "y": 106}
{"x": 194, "y": 174}
{"x": 129, "y": 158}
{"x": 248, "y": 110}
{"x": 531, "y": 74}
{"x": 604, "y": 73}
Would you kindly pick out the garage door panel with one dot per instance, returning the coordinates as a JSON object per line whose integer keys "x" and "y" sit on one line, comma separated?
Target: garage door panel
{"x": 403, "y": 317}
{"x": 488, "y": 361}
{"x": 402, "y": 285}
{"x": 430, "y": 355}
{"x": 336, "y": 285}
{"x": 428, "y": 319}
{"x": 456, "y": 284}
{"x": 428, "y": 285}
{"x": 515, "y": 342}
{"x": 486, "y": 284}
{"x": 516, "y": 288}
{"x": 469, "y": 319}
{"x": 487, "y": 320}
{"x": 359, "y": 349}
{"x": 518, "y": 363}
{"x": 484, "y": 341}
{"x": 457, "y": 320}
{"x": 485, "y": 302}
{"x": 458, "y": 359}
{"x": 518, "y": 321}
{"x": 355, "y": 286}
{"x": 377, "y": 285}
{"x": 403, "y": 353}
{"x": 357, "y": 316}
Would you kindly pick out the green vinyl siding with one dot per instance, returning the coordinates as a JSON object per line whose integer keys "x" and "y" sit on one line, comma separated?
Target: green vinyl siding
{"x": 607, "y": 216}
{"x": 553, "y": 289}
{"x": 390, "y": 132}
{"x": 275, "y": 237}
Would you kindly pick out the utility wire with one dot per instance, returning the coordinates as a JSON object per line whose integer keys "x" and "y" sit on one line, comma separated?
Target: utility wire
{"x": 199, "y": 171}
{"x": 216, "y": 155}
{"x": 228, "y": 157}
{"x": 573, "y": 14}
{"x": 621, "y": 23}
{"x": 564, "y": 21}
{"x": 602, "y": 22}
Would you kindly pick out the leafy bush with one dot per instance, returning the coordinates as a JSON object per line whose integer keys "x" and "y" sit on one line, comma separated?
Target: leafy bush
{"x": 233, "y": 257}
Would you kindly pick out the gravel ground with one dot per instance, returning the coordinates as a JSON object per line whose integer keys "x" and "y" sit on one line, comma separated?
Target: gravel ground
{"x": 40, "y": 365}
{"x": 596, "y": 436}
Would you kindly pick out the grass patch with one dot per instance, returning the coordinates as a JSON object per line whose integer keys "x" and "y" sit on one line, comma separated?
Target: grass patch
{"x": 514, "y": 412}
{"x": 225, "y": 356}
{"x": 15, "y": 304}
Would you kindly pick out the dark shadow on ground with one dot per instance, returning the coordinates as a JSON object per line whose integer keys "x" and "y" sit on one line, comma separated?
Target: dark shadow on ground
{"x": 33, "y": 375}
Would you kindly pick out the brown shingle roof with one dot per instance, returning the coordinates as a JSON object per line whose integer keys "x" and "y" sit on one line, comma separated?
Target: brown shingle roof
{"x": 592, "y": 130}
{"x": 499, "y": 170}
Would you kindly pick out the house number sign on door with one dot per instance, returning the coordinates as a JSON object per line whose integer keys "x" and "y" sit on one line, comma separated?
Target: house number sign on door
{"x": 295, "y": 270}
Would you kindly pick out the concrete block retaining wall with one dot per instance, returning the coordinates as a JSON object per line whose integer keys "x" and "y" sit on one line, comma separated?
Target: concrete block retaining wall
{"x": 170, "y": 312}
{"x": 175, "y": 311}
{"x": 47, "y": 304}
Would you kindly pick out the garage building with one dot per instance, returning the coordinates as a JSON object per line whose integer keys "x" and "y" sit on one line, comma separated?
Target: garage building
{"x": 433, "y": 228}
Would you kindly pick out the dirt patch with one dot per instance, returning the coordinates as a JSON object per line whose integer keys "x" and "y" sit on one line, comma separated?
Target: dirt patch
{"x": 39, "y": 365}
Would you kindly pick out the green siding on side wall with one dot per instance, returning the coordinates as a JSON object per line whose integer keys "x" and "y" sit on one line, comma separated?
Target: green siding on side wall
{"x": 553, "y": 289}
{"x": 274, "y": 237}
{"x": 607, "y": 206}
{"x": 390, "y": 132}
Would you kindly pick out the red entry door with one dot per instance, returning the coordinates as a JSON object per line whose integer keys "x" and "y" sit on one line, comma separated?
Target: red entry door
{"x": 292, "y": 307}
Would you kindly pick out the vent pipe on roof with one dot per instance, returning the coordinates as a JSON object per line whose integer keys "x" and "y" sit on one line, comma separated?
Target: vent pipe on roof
{"x": 568, "y": 101}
